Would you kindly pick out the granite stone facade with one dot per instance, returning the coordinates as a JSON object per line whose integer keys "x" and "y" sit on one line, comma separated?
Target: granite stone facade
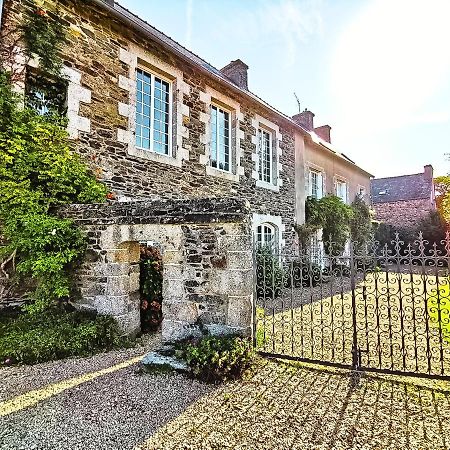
{"x": 206, "y": 277}
{"x": 207, "y": 261}
{"x": 105, "y": 54}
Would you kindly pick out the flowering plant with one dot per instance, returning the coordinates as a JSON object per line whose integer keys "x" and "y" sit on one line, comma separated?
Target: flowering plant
{"x": 151, "y": 288}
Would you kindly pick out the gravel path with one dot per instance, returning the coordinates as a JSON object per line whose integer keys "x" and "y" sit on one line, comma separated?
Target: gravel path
{"x": 276, "y": 406}
{"x": 117, "y": 410}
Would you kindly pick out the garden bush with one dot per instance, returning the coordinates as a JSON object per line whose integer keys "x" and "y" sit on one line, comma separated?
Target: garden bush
{"x": 269, "y": 273}
{"x": 303, "y": 273}
{"x": 55, "y": 334}
{"x": 216, "y": 359}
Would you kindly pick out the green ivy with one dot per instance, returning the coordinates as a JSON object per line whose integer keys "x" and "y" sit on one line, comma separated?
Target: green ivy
{"x": 332, "y": 215}
{"x": 44, "y": 37}
{"x": 361, "y": 228}
{"x": 38, "y": 173}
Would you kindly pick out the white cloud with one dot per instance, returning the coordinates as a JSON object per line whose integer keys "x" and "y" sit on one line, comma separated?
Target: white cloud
{"x": 288, "y": 21}
{"x": 391, "y": 60}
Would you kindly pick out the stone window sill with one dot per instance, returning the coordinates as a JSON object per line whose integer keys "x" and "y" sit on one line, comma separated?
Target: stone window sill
{"x": 221, "y": 174}
{"x": 269, "y": 186}
{"x": 156, "y": 157}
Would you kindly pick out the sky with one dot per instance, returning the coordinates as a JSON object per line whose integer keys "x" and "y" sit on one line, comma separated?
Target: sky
{"x": 376, "y": 71}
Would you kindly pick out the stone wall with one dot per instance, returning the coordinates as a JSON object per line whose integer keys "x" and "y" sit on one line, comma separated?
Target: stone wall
{"x": 102, "y": 50}
{"x": 403, "y": 214}
{"x": 207, "y": 262}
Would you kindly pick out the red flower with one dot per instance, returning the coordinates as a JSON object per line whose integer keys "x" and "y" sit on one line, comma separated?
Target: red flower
{"x": 155, "y": 305}
{"x": 41, "y": 12}
{"x": 144, "y": 305}
{"x": 110, "y": 196}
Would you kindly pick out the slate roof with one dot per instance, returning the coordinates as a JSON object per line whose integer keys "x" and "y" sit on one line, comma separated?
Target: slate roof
{"x": 402, "y": 188}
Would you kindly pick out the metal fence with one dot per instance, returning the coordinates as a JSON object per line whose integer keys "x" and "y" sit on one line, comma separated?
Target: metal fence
{"x": 373, "y": 307}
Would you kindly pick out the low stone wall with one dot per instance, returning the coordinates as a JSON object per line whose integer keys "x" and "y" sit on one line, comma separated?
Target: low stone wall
{"x": 207, "y": 258}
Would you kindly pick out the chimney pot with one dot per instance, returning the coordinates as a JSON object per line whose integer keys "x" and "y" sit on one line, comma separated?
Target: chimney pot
{"x": 305, "y": 119}
{"x": 236, "y": 71}
{"x": 324, "y": 132}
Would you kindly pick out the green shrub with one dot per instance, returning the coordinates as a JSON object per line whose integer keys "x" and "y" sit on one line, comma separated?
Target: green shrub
{"x": 303, "y": 273}
{"x": 269, "y": 273}
{"x": 215, "y": 359}
{"x": 55, "y": 334}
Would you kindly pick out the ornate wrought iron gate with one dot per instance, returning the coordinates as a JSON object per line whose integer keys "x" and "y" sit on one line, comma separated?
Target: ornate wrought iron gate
{"x": 378, "y": 308}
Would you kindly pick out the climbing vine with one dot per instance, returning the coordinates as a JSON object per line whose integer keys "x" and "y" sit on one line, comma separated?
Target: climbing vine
{"x": 44, "y": 37}
{"x": 337, "y": 220}
{"x": 39, "y": 172}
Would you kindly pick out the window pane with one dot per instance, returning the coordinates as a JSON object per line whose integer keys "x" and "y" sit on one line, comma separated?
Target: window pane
{"x": 220, "y": 140}
{"x": 265, "y": 156}
{"x": 152, "y": 114}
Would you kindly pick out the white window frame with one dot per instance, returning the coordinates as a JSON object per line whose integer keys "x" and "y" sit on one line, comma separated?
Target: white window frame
{"x": 154, "y": 75}
{"x": 137, "y": 57}
{"x": 261, "y": 172}
{"x": 230, "y": 147}
{"x": 276, "y": 222}
{"x": 337, "y": 184}
{"x": 319, "y": 174}
{"x": 273, "y": 232}
{"x": 261, "y": 123}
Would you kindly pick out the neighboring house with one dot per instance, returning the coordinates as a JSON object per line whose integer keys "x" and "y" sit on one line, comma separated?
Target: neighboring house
{"x": 157, "y": 121}
{"x": 404, "y": 200}
{"x": 325, "y": 170}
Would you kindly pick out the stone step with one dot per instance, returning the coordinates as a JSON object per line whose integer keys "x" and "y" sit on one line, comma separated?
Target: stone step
{"x": 155, "y": 361}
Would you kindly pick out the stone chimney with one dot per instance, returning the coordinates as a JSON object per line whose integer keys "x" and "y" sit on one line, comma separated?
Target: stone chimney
{"x": 305, "y": 119}
{"x": 428, "y": 171}
{"x": 324, "y": 132}
{"x": 236, "y": 71}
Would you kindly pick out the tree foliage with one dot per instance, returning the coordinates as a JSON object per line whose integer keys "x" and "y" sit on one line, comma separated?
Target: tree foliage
{"x": 442, "y": 186}
{"x": 338, "y": 222}
{"x": 38, "y": 172}
{"x": 360, "y": 222}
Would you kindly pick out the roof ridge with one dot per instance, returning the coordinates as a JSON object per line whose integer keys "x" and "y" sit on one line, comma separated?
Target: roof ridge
{"x": 398, "y": 176}
{"x": 215, "y": 71}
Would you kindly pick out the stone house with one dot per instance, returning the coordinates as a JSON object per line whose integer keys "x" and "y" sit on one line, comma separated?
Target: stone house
{"x": 404, "y": 200}
{"x": 159, "y": 124}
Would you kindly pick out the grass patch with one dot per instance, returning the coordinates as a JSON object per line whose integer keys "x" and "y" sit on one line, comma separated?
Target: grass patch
{"x": 56, "y": 334}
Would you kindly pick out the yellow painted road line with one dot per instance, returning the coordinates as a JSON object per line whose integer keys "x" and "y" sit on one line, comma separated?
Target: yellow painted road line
{"x": 31, "y": 398}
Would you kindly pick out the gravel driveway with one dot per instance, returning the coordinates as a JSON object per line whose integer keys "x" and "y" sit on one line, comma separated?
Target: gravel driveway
{"x": 116, "y": 410}
{"x": 276, "y": 406}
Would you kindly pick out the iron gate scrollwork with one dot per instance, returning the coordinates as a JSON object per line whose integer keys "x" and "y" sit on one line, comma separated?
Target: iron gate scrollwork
{"x": 372, "y": 307}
